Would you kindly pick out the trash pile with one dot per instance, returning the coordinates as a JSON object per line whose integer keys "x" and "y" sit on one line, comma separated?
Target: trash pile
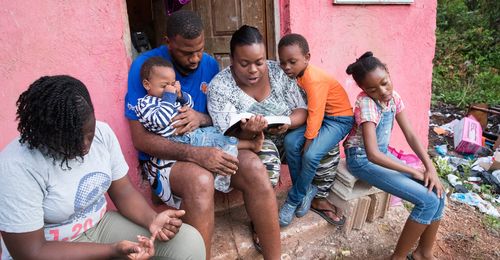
{"x": 468, "y": 157}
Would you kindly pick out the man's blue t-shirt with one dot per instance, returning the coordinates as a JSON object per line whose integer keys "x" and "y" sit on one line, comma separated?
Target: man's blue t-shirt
{"x": 196, "y": 83}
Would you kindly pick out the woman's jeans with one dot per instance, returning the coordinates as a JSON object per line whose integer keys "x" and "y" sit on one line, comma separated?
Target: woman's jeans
{"x": 303, "y": 166}
{"x": 428, "y": 207}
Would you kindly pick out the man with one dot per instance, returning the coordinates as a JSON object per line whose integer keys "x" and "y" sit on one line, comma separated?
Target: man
{"x": 190, "y": 174}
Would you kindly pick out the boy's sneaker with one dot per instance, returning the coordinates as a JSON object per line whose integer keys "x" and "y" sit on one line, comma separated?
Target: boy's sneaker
{"x": 286, "y": 214}
{"x": 305, "y": 205}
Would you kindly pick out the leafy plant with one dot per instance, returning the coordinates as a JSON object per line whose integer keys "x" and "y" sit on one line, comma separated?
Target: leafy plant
{"x": 486, "y": 189}
{"x": 467, "y": 59}
{"x": 467, "y": 169}
{"x": 408, "y": 206}
{"x": 442, "y": 166}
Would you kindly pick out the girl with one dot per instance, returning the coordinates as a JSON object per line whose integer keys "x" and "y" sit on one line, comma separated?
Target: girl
{"x": 368, "y": 159}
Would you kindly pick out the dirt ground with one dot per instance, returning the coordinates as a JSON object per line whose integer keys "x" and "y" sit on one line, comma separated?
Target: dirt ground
{"x": 462, "y": 234}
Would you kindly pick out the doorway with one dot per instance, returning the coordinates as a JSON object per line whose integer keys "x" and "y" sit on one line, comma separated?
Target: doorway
{"x": 220, "y": 19}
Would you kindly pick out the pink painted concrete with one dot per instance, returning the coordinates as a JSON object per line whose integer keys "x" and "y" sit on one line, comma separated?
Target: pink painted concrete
{"x": 402, "y": 36}
{"x": 84, "y": 39}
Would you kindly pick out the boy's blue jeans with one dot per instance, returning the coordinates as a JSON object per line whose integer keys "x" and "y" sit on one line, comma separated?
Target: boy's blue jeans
{"x": 428, "y": 207}
{"x": 303, "y": 165}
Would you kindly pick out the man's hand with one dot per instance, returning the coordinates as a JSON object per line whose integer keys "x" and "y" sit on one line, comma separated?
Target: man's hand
{"x": 166, "y": 224}
{"x": 187, "y": 120}
{"x": 217, "y": 161}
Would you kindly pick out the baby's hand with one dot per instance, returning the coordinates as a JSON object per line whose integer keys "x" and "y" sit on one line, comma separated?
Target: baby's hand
{"x": 177, "y": 86}
{"x": 170, "y": 89}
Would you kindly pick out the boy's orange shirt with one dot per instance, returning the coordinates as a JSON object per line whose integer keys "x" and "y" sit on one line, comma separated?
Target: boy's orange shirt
{"x": 325, "y": 96}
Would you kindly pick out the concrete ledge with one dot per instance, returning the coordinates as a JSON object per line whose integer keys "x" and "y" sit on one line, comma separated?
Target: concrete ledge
{"x": 233, "y": 239}
{"x": 225, "y": 201}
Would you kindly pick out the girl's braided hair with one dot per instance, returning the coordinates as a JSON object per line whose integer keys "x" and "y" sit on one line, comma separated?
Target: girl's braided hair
{"x": 363, "y": 65}
{"x": 51, "y": 114}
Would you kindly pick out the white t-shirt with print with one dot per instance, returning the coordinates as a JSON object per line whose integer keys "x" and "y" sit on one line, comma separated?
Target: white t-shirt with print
{"x": 35, "y": 192}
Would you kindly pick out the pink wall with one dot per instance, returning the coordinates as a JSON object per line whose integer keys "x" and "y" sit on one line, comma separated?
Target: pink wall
{"x": 88, "y": 40}
{"x": 402, "y": 36}
{"x": 84, "y": 39}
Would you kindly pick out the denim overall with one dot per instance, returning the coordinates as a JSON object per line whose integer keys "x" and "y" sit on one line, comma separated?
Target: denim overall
{"x": 428, "y": 206}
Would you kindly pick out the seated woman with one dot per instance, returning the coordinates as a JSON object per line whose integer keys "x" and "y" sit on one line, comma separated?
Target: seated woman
{"x": 252, "y": 84}
{"x": 54, "y": 177}
{"x": 255, "y": 85}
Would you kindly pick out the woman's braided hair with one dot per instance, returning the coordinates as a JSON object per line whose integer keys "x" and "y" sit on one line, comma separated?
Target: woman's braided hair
{"x": 51, "y": 114}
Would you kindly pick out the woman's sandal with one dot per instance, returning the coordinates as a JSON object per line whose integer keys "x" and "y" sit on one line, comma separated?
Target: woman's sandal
{"x": 255, "y": 239}
{"x": 324, "y": 215}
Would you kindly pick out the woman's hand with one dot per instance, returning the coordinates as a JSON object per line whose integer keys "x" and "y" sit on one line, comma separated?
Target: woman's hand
{"x": 142, "y": 250}
{"x": 254, "y": 125}
{"x": 166, "y": 224}
{"x": 278, "y": 130}
{"x": 431, "y": 181}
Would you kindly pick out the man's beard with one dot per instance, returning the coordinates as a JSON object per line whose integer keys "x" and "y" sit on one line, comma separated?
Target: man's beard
{"x": 182, "y": 70}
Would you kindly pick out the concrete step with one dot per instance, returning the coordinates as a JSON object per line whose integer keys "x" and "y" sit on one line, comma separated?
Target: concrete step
{"x": 309, "y": 237}
{"x": 233, "y": 238}
{"x": 225, "y": 201}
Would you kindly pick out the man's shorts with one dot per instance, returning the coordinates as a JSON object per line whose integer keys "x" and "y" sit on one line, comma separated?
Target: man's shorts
{"x": 157, "y": 172}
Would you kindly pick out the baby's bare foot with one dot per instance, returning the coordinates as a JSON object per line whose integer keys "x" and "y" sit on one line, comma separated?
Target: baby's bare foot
{"x": 257, "y": 143}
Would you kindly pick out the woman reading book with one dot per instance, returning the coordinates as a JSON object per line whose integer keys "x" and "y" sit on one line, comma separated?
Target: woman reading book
{"x": 252, "y": 84}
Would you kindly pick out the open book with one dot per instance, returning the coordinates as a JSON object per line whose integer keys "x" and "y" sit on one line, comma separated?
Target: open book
{"x": 272, "y": 121}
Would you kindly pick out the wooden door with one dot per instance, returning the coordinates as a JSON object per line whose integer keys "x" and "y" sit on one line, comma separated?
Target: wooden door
{"x": 222, "y": 17}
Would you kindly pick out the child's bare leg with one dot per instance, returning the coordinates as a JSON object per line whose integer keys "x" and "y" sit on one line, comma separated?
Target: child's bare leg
{"x": 410, "y": 234}
{"x": 426, "y": 243}
{"x": 254, "y": 145}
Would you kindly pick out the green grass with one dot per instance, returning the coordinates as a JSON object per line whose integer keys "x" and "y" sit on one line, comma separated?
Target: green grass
{"x": 492, "y": 223}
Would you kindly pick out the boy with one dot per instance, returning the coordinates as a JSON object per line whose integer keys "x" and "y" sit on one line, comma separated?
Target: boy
{"x": 329, "y": 120}
{"x": 157, "y": 108}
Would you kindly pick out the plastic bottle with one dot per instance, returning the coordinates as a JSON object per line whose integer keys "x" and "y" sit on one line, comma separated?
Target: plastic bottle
{"x": 221, "y": 182}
